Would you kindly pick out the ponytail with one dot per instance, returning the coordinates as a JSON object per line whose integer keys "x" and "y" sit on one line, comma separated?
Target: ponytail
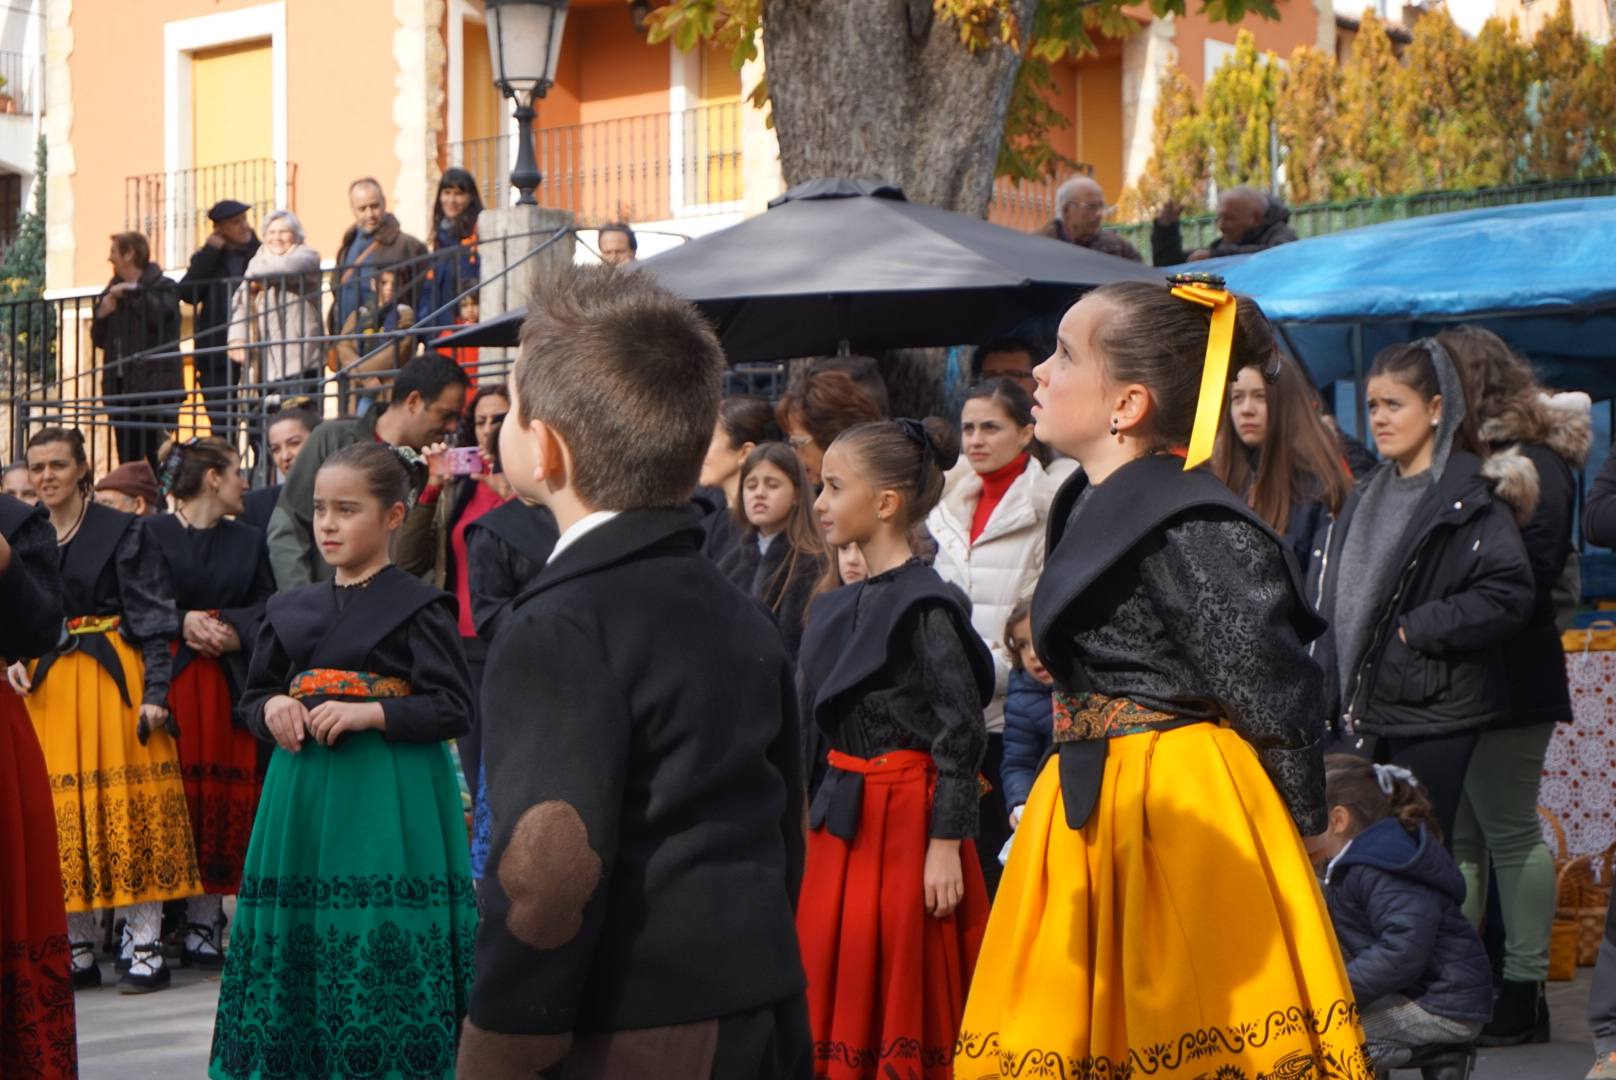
{"x": 1372, "y": 793}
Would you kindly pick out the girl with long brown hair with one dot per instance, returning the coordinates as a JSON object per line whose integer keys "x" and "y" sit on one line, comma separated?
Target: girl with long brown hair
{"x": 1275, "y": 449}
{"x": 779, "y": 555}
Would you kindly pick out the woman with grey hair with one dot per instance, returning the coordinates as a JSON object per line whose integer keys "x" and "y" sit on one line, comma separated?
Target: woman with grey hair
{"x": 276, "y": 309}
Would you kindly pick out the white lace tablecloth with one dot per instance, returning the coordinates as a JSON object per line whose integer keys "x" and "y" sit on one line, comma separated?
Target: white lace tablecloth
{"x": 1579, "y": 773}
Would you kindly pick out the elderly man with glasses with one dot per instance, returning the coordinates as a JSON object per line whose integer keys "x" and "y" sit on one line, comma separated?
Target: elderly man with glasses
{"x": 1080, "y": 212}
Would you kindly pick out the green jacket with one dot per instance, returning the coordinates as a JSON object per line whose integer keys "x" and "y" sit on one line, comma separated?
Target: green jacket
{"x": 292, "y": 554}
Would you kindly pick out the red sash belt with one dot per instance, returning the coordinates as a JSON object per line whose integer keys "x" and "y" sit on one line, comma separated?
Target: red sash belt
{"x": 840, "y": 799}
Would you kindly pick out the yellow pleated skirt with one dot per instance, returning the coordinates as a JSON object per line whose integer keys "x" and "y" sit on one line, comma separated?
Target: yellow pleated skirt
{"x": 1181, "y": 933}
{"x": 122, "y": 823}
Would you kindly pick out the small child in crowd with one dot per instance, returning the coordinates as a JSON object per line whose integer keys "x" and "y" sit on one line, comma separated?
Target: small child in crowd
{"x": 850, "y": 564}
{"x": 1417, "y": 968}
{"x": 781, "y": 555}
{"x": 1029, "y": 712}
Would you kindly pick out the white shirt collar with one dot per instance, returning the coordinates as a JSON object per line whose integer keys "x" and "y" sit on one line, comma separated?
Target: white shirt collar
{"x": 580, "y": 529}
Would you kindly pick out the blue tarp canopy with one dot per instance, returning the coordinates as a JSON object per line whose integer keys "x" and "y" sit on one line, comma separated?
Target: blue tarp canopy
{"x": 1540, "y": 275}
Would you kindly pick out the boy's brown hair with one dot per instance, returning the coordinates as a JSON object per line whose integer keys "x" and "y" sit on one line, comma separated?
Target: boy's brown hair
{"x": 628, "y": 375}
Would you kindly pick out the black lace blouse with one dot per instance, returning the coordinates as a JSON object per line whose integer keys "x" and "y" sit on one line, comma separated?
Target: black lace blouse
{"x": 133, "y": 584}
{"x": 926, "y": 698}
{"x": 1196, "y": 621}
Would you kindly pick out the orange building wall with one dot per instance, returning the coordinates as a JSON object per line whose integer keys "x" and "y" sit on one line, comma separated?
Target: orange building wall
{"x": 1088, "y": 92}
{"x": 117, "y": 78}
{"x": 1298, "y": 24}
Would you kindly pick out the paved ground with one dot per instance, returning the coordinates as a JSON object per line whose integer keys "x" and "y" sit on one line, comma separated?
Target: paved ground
{"x": 165, "y": 1036}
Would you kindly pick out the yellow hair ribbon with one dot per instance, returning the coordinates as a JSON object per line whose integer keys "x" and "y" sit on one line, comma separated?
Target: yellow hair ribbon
{"x": 1214, "y": 372}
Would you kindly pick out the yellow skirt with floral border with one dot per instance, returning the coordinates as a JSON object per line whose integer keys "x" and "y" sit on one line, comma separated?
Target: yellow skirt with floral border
{"x": 1181, "y": 933}
{"x": 122, "y": 823}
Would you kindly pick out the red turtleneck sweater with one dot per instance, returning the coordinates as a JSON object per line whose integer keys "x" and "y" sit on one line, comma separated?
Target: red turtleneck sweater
{"x": 994, "y": 485}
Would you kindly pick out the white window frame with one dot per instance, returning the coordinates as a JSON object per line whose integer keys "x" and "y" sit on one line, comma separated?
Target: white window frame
{"x": 684, "y": 95}
{"x": 181, "y": 38}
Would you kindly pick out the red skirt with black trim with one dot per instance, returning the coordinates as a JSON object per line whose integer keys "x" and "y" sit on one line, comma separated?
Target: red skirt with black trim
{"x": 219, "y": 764}
{"x": 38, "y": 1037}
{"x": 886, "y": 982}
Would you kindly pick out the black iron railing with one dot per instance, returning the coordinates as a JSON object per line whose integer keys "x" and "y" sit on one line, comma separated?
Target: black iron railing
{"x": 654, "y": 167}
{"x": 172, "y": 208}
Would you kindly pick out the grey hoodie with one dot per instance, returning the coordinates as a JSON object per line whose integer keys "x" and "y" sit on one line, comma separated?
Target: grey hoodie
{"x": 1385, "y": 507}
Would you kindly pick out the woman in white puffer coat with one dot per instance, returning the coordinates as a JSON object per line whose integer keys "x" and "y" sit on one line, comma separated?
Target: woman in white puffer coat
{"x": 989, "y": 529}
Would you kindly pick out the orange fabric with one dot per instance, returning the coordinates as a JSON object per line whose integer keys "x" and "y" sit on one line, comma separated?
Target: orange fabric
{"x": 886, "y": 982}
{"x": 333, "y": 682}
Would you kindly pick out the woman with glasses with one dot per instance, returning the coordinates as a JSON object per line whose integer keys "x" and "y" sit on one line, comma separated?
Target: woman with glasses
{"x": 989, "y": 529}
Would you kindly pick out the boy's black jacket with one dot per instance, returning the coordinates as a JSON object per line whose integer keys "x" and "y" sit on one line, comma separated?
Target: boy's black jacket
{"x": 640, "y": 734}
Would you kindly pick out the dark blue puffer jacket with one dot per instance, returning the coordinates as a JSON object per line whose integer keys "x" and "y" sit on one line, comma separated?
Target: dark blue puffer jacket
{"x": 1029, "y": 725}
{"x": 1394, "y": 899}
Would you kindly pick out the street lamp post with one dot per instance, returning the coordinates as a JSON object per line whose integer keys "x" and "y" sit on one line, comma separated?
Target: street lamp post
{"x": 524, "y": 43}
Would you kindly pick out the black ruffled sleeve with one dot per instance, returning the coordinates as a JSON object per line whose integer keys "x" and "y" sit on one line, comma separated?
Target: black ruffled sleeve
{"x": 269, "y": 673}
{"x": 439, "y": 706}
{"x": 146, "y": 597}
{"x": 1226, "y": 598}
{"x": 961, "y": 737}
{"x": 31, "y": 592}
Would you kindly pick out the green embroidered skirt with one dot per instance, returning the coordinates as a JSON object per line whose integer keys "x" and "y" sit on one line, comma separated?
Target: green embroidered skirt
{"x": 351, "y": 951}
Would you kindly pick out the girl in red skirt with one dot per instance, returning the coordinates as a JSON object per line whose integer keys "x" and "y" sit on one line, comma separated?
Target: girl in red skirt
{"x": 221, "y": 580}
{"x": 894, "y": 680}
{"x": 37, "y": 1035}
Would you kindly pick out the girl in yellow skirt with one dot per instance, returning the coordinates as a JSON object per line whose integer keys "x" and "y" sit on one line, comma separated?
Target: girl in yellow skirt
{"x": 98, "y": 705}
{"x": 1159, "y": 916}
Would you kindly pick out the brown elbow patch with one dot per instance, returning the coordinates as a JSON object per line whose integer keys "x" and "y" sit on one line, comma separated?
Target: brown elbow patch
{"x": 493, "y": 1055}
{"x": 549, "y": 872}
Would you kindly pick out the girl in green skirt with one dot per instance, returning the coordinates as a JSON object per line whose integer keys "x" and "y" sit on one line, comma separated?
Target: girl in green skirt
{"x": 352, "y": 947}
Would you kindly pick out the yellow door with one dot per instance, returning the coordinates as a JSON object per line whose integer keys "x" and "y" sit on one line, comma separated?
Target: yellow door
{"x": 719, "y": 130}
{"x": 232, "y": 157}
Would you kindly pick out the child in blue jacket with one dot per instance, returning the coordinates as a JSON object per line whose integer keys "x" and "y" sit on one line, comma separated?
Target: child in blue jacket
{"x": 1028, "y": 712}
{"x": 1416, "y": 966}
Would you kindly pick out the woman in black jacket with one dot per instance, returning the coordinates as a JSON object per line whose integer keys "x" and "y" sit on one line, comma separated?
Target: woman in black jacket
{"x": 1425, "y": 583}
{"x": 1498, "y": 820}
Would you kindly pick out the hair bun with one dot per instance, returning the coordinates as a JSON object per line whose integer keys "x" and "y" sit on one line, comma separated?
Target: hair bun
{"x": 1254, "y": 341}
{"x": 944, "y": 440}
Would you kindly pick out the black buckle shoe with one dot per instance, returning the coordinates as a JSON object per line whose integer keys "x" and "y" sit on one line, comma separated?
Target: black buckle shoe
{"x": 207, "y": 956}
{"x": 147, "y": 971}
{"x": 85, "y": 978}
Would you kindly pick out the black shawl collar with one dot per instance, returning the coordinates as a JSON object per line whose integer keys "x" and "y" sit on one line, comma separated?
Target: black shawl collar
{"x": 13, "y": 512}
{"x": 1117, "y": 517}
{"x": 837, "y": 655}
{"x": 317, "y": 633}
{"x": 631, "y": 534}
{"x": 529, "y": 530}
{"x": 89, "y": 552}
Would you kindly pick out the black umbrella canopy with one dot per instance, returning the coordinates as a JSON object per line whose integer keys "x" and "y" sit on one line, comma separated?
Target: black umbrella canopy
{"x": 852, "y": 264}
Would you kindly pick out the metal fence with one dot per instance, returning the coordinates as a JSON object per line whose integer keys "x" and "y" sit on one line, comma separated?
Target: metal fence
{"x": 21, "y": 74}
{"x": 1026, "y": 205}
{"x": 1317, "y": 219}
{"x": 654, "y": 167}
{"x": 63, "y": 366}
{"x": 172, "y": 208}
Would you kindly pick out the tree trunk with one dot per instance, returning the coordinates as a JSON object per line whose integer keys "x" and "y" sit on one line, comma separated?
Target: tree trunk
{"x": 884, "y": 90}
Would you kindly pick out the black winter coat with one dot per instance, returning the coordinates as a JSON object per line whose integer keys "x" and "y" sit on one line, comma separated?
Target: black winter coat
{"x": 1599, "y": 512}
{"x": 1534, "y": 664}
{"x": 1434, "y": 663}
{"x": 1029, "y": 728}
{"x": 147, "y": 318}
{"x": 1395, "y": 902}
{"x": 208, "y": 284}
{"x": 766, "y": 577}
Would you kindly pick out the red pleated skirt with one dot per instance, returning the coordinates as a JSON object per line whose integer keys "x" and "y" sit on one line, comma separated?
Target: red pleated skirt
{"x": 219, "y": 764}
{"x": 886, "y": 982}
{"x": 37, "y": 1033}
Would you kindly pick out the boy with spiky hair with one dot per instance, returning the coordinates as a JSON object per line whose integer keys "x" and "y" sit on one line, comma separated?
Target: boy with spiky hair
{"x": 640, "y": 730}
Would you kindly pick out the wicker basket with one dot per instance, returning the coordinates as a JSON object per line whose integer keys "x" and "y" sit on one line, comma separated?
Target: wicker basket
{"x": 1582, "y": 894}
